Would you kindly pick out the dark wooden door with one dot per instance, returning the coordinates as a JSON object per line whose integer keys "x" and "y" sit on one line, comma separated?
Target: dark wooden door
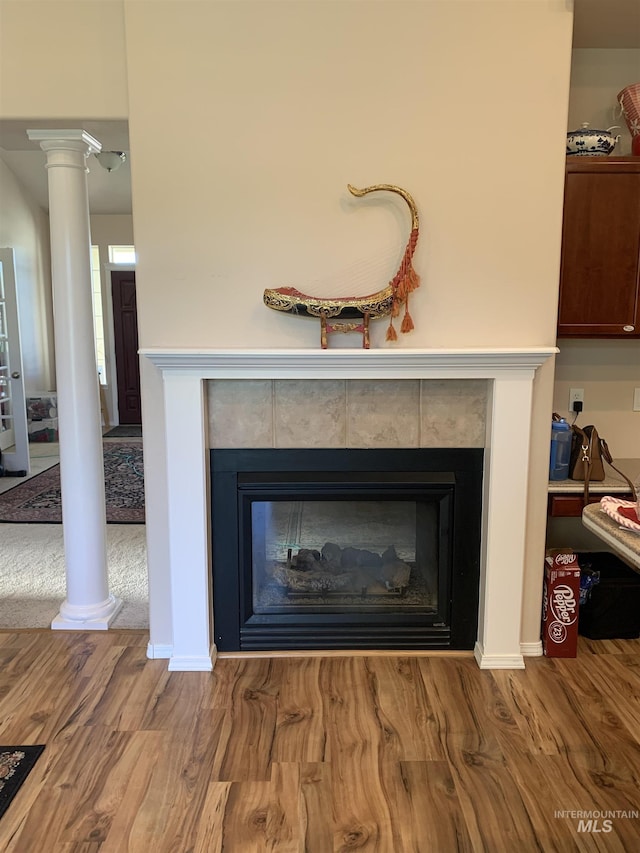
{"x": 125, "y": 330}
{"x": 600, "y": 275}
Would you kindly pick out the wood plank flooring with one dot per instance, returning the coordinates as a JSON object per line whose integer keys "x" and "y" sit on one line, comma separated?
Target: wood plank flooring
{"x": 321, "y": 754}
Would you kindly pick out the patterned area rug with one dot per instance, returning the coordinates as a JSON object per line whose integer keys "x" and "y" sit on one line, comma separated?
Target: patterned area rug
{"x": 125, "y": 431}
{"x": 38, "y": 500}
{"x": 16, "y": 762}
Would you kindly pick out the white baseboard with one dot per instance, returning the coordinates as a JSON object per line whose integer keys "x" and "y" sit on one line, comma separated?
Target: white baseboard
{"x": 155, "y": 651}
{"x": 497, "y": 661}
{"x": 193, "y": 663}
{"x": 531, "y": 650}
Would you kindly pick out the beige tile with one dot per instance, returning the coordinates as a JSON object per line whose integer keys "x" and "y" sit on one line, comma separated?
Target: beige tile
{"x": 383, "y": 413}
{"x": 353, "y": 413}
{"x": 240, "y": 412}
{"x": 453, "y": 413}
{"x": 310, "y": 413}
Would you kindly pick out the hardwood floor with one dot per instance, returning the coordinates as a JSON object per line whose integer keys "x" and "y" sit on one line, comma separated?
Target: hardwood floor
{"x": 320, "y": 754}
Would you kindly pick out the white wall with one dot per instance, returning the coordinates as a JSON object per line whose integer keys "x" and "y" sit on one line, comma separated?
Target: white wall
{"x": 247, "y": 120}
{"x": 111, "y": 230}
{"x": 608, "y": 370}
{"x": 24, "y": 226}
{"x": 62, "y": 58}
{"x": 276, "y": 106}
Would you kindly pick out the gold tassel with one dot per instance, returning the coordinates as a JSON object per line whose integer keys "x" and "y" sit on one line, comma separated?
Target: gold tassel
{"x": 407, "y": 323}
{"x": 391, "y": 333}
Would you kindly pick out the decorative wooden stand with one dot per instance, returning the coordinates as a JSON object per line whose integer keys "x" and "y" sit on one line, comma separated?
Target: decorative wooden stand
{"x": 326, "y": 329}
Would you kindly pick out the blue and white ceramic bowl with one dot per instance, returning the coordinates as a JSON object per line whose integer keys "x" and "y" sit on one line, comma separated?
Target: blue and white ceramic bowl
{"x": 588, "y": 142}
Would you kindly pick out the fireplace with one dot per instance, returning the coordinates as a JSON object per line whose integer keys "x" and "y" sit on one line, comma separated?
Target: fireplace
{"x": 182, "y": 624}
{"x": 346, "y": 549}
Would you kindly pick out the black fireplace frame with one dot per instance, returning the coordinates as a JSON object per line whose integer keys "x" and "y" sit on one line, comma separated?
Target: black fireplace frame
{"x": 452, "y": 476}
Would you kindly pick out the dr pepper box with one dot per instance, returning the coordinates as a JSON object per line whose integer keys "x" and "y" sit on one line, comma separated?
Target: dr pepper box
{"x": 560, "y": 603}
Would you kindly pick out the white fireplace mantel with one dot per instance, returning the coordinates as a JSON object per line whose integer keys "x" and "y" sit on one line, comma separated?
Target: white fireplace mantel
{"x": 506, "y": 465}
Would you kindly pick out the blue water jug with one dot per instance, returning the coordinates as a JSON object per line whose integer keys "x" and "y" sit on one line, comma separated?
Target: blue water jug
{"x": 560, "y": 450}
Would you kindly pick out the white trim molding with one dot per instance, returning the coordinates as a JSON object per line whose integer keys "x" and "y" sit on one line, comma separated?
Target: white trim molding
{"x": 158, "y": 651}
{"x": 510, "y": 373}
{"x": 349, "y": 363}
{"x": 531, "y": 650}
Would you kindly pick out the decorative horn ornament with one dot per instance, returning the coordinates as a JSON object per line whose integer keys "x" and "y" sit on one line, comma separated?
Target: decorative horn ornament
{"x": 383, "y": 303}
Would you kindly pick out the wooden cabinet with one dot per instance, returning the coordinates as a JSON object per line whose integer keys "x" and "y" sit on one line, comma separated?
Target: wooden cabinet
{"x": 571, "y": 506}
{"x": 600, "y": 271}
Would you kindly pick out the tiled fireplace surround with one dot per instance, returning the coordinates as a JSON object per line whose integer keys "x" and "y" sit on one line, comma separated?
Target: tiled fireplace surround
{"x": 348, "y": 398}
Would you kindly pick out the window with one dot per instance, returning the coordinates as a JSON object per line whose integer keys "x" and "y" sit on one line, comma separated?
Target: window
{"x": 122, "y": 254}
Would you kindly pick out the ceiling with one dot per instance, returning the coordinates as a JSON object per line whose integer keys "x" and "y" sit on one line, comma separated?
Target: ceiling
{"x": 597, "y": 24}
{"x": 109, "y": 192}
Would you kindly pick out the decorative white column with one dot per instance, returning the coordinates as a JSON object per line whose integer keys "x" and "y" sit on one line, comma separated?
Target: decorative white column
{"x": 88, "y": 605}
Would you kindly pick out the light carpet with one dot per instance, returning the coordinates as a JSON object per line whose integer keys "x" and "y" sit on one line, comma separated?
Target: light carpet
{"x": 32, "y": 574}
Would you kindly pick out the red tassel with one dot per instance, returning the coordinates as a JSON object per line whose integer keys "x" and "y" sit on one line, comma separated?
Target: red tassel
{"x": 402, "y": 289}
{"x": 391, "y": 333}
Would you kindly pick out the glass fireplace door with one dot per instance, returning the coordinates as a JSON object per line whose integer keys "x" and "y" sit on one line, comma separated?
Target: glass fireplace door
{"x": 345, "y": 548}
{"x": 344, "y": 555}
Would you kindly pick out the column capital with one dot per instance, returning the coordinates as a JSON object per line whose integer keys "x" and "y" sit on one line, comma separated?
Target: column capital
{"x": 74, "y": 139}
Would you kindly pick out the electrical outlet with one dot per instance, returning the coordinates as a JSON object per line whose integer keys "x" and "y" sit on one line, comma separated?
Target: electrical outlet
{"x": 636, "y": 399}
{"x": 576, "y": 395}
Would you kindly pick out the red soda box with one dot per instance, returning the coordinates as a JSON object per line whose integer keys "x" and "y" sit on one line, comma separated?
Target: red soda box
{"x": 560, "y": 603}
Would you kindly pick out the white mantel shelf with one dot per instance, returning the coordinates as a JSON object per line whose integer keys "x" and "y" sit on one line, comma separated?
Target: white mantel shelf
{"x": 510, "y": 372}
{"x": 349, "y": 363}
